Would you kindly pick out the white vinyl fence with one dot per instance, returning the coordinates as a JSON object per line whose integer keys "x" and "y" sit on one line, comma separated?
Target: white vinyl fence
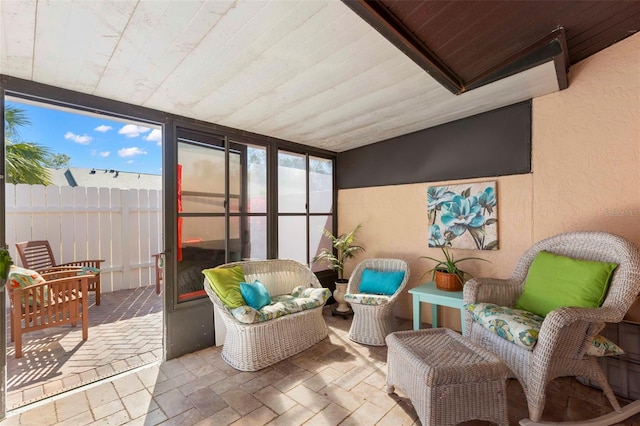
{"x": 123, "y": 227}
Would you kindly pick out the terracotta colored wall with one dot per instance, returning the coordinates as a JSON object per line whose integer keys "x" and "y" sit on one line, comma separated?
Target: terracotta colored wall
{"x": 586, "y": 176}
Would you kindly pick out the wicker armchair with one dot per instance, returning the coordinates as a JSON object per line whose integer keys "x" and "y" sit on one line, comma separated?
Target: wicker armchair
{"x": 373, "y": 322}
{"x": 567, "y": 332}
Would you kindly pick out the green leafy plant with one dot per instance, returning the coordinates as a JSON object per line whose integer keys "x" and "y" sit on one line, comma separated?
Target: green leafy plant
{"x": 345, "y": 248}
{"x": 5, "y": 263}
{"x": 449, "y": 265}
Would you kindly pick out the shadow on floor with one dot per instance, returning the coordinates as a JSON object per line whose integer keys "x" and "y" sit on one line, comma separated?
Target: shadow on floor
{"x": 125, "y": 332}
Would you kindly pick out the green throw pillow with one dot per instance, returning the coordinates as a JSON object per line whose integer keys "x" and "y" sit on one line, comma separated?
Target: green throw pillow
{"x": 554, "y": 281}
{"x": 225, "y": 282}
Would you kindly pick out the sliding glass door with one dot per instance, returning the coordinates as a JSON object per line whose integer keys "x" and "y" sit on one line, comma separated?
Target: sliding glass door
{"x": 222, "y": 215}
{"x": 305, "y": 206}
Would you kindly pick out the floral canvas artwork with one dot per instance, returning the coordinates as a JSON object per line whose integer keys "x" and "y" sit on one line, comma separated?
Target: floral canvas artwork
{"x": 463, "y": 216}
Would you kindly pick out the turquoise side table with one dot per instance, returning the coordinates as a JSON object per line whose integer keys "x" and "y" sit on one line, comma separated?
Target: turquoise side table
{"x": 429, "y": 293}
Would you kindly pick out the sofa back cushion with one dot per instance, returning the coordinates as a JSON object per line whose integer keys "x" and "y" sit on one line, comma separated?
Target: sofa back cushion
{"x": 225, "y": 282}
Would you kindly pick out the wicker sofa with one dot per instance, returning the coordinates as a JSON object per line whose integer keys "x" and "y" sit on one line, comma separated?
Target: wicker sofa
{"x": 251, "y": 347}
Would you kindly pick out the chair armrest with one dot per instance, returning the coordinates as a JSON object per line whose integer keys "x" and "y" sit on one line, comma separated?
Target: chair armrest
{"x": 567, "y": 331}
{"x": 60, "y": 273}
{"x": 63, "y": 286}
{"x": 502, "y": 292}
{"x": 563, "y": 317}
{"x": 80, "y": 263}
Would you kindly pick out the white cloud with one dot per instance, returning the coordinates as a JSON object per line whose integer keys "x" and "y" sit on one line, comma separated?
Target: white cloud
{"x": 130, "y": 161}
{"x": 103, "y": 128}
{"x": 82, "y": 140}
{"x": 154, "y": 136}
{"x": 131, "y": 152}
{"x": 104, "y": 153}
{"x": 133, "y": 131}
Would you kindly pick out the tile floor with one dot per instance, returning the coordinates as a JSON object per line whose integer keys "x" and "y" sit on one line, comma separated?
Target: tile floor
{"x": 334, "y": 382}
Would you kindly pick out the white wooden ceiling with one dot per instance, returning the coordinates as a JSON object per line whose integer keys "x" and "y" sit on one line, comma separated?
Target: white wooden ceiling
{"x": 307, "y": 71}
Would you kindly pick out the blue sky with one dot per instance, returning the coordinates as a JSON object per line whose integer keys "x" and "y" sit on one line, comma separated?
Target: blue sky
{"x": 94, "y": 141}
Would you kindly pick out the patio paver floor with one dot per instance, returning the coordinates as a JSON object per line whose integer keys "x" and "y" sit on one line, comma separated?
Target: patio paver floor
{"x": 125, "y": 331}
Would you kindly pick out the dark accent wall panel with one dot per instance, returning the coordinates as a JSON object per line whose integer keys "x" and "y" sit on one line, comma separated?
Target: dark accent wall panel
{"x": 494, "y": 143}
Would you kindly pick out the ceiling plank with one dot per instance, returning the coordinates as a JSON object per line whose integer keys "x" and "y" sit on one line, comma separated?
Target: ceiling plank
{"x": 17, "y": 37}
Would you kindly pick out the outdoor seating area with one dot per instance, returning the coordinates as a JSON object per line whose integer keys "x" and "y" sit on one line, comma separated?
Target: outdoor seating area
{"x": 38, "y": 256}
{"x": 55, "y": 299}
{"x": 125, "y": 332}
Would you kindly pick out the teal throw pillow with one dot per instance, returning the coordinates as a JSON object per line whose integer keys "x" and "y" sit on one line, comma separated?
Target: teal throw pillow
{"x": 555, "y": 281}
{"x": 225, "y": 282}
{"x": 380, "y": 282}
{"x": 255, "y": 294}
{"x": 89, "y": 270}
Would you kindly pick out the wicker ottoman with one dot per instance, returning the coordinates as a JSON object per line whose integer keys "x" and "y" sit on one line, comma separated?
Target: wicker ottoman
{"x": 448, "y": 378}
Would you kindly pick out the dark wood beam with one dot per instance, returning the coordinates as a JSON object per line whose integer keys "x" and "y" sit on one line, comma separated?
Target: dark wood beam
{"x": 379, "y": 17}
{"x": 550, "y": 48}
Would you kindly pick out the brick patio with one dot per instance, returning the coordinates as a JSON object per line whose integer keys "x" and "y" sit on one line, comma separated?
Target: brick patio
{"x": 125, "y": 332}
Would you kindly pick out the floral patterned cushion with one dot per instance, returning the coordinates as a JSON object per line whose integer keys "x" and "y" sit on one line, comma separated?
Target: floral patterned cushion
{"x": 601, "y": 346}
{"x": 515, "y": 325}
{"x": 21, "y": 278}
{"x": 366, "y": 299}
{"x": 522, "y": 327}
{"x": 301, "y": 298}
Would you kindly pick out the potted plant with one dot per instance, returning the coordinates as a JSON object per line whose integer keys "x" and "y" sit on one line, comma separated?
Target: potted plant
{"x": 5, "y": 266}
{"x": 447, "y": 275}
{"x": 344, "y": 248}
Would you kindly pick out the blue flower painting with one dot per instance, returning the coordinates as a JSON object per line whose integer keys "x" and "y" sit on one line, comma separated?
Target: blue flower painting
{"x": 463, "y": 216}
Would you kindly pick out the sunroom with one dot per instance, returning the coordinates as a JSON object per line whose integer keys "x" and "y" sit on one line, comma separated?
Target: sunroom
{"x": 280, "y": 119}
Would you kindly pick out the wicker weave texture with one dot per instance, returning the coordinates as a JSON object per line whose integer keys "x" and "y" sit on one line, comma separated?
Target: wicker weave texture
{"x": 251, "y": 347}
{"x": 372, "y": 323}
{"x": 566, "y": 332}
{"x": 448, "y": 378}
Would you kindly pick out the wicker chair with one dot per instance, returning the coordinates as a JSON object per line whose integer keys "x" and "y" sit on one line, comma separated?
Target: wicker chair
{"x": 372, "y": 323}
{"x": 566, "y": 333}
{"x": 251, "y": 347}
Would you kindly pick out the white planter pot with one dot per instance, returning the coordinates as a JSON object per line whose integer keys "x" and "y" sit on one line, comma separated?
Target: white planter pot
{"x": 338, "y": 294}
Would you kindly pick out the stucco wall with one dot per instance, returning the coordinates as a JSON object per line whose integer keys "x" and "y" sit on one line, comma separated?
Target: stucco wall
{"x": 586, "y": 176}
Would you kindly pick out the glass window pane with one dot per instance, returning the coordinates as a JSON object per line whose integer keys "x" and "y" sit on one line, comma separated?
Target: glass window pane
{"x": 247, "y": 238}
{"x": 257, "y": 176}
{"x": 320, "y": 185}
{"x": 292, "y": 183}
{"x": 254, "y": 241}
{"x": 292, "y": 238}
{"x": 235, "y": 181}
{"x": 317, "y": 239}
{"x": 202, "y": 178}
{"x": 202, "y": 247}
